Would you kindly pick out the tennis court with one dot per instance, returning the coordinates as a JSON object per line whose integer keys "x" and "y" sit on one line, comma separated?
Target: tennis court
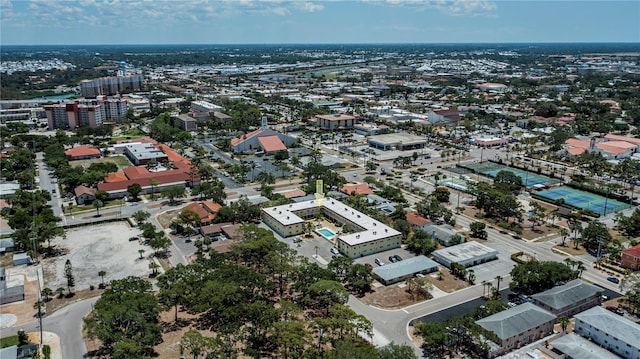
{"x": 529, "y": 179}
{"x": 584, "y": 200}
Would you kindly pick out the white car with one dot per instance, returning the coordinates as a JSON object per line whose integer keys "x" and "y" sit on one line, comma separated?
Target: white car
{"x": 334, "y": 250}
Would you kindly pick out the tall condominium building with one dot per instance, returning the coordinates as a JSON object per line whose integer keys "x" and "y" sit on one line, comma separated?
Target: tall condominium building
{"x": 85, "y": 113}
{"x": 110, "y": 85}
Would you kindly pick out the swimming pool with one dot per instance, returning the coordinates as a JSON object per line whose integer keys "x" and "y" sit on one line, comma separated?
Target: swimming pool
{"x": 326, "y": 233}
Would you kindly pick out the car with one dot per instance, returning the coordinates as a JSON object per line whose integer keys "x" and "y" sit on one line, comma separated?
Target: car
{"x": 616, "y": 310}
{"x": 613, "y": 279}
{"x": 131, "y": 239}
{"x": 379, "y": 262}
{"x": 397, "y": 257}
{"x": 334, "y": 250}
{"x": 297, "y": 240}
{"x": 419, "y": 275}
{"x": 53, "y": 190}
{"x": 368, "y": 265}
{"x": 392, "y": 259}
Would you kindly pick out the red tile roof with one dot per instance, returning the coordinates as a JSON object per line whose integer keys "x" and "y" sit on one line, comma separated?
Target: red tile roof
{"x": 271, "y": 143}
{"x": 294, "y": 193}
{"x": 82, "y": 151}
{"x": 80, "y": 190}
{"x": 635, "y": 141}
{"x": 116, "y": 177}
{"x": 238, "y": 140}
{"x": 206, "y": 210}
{"x": 172, "y": 177}
{"x": 416, "y": 219}
{"x": 136, "y": 172}
{"x": 632, "y": 251}
{"x": 357, "y": 188}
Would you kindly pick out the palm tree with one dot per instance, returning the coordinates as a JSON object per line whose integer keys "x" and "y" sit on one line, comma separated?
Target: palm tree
{"x": 141, "y": 251}
{"x": 154, "y": 267}
{"x": 46, "y": 293}
{"x": 564, "y": 233}
{"x": 484, "y": 287}
{"x": 471, "y": 276}
{"x": 498, "y": 278}
{"x": 97, "y": 204}
{"x": 580, "y": 267}
{"x": 564, "y": 323}
{"x": 102, "y": 274}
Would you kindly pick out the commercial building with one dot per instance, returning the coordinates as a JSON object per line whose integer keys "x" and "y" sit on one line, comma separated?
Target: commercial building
{"x": 186, "y": 122}
{"x": 369, "y": 235}
{"x": 630, "y": 258}
{"x": 110, "y": 85}
{"x": 518, "y": 326}
{"x": 204, "y": 106}
{"x": 445, "y": 235}
{"x": 335, "y": 121}
{"x": 570, "y": 298}
{"x": 397, "y": 141}
{"x": 262, "y": 139}
{"x": 468, "y": 254}
{"x": 611, "y": 331}
{"x": 143, "y": 153}
{"x": 404, "y": 269}
{"x": 9, "y": 294}
{"x": 447, "y": 118}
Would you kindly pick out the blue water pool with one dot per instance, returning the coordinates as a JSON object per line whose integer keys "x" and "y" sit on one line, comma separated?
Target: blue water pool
{"x": 326, "y": 232}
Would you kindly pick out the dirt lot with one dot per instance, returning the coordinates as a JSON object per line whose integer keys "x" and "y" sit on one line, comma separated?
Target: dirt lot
{"x": 92, "y": 249}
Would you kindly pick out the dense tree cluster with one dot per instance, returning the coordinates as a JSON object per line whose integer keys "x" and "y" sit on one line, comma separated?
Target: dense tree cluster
{"x": 534, "y": 276}
{"x": 260, "y": 299}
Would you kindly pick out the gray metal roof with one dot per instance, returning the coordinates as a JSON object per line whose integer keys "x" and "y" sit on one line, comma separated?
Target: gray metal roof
{"x": 516, "y": 320}
{"x": 567, "y": 294}
{"x": 613, "y": 324}
{"x": 575, "y": 346}
{"x": 405, "y": 267}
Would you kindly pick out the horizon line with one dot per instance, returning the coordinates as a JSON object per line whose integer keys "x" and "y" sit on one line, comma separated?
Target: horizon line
{"x": 336, "y": 43}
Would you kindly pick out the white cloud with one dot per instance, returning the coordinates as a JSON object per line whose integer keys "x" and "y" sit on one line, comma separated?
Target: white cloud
{"x": 309, "y": 6}
{"x": 450, "y": 7}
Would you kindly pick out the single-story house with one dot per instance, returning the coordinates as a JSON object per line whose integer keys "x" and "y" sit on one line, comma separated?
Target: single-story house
{"x": 84, "y": 194}
{"x": 418, "y": 222}
{"x": 6, "y": 245}
{"x": 21, "y": 258}
{"x": 445, "y": 234}
{"x": 82, "y": 153}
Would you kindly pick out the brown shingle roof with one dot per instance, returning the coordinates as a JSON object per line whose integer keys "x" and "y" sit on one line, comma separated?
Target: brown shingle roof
{"x": 82, "y": 151}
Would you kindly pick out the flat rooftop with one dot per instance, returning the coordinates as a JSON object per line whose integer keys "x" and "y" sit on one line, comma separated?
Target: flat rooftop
{"x": 465, "y": 251}
{"x": 396, "y": 138}
{"x": 375, "y": 230}
{"x": 405, "y": 267}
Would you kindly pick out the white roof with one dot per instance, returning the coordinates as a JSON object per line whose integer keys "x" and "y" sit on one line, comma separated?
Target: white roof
{"x": 373, "y": 229}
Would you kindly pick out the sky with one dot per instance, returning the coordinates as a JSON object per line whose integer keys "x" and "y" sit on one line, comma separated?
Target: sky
{"x": 118, "y": 22}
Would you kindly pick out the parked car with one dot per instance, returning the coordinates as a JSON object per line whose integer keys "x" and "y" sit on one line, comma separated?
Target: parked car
{"x": 368, "y": 265}
{"x": 613, "y": 280}
{"x": 379, "y": 262}
{"x": 392, "y": 259}
{"x": 297, "y": 240}
{"x": 616, "y": 310}
{"x": 334, "y": 250}
{"x": 419, "y": 275}
{"x": 131, "y": 239}
{"x": 397, "y": 257}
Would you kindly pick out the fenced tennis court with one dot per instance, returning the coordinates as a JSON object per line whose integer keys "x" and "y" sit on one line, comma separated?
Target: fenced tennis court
{"x": 584, "y": 200}
{"x": 529, "y": 179}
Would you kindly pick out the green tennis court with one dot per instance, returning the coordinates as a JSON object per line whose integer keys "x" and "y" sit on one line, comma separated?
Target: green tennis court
{"x": 584, "y": 200}
{"x": 529, "y": 179}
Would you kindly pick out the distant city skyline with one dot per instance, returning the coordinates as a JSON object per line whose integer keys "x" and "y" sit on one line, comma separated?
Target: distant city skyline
{"x": 95, "y": 22}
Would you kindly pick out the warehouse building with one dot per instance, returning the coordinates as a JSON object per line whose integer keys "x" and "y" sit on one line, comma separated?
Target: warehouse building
{"x": 468, "y": 254}
{"x": 397, "y": 141}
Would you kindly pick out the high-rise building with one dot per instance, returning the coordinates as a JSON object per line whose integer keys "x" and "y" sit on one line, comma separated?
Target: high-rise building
{"x": 85, "y": 113}
{"x": 110, "y": 85}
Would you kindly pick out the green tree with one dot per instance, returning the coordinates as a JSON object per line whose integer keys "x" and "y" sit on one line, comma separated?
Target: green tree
{"x": 97, "y": 204}
{"x": 68, "y": 273}
{"x": 441, "y": 194}
{"x": 134, "y": 190}
{"x": 128, "y": 313}
{"x": 534, "y": 276}
{"x": 507, "y": 181}
{"x": 101, "y": 274}
{"x": 596, "y": 234}
{"x": 478, "y": 230}
{"x": 141, "y": 216}
{"x": 102, "y": 195}
{"x": 325, "y": 293}
{"x": 173, "y": 192}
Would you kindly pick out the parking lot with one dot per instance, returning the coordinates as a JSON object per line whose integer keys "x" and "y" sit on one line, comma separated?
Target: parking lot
{"x": 91, "y": 249}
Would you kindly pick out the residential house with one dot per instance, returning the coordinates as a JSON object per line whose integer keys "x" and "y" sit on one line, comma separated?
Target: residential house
{"x": 611, "y": 331}
{"x": 6, "y": 245}
{"x": 418, "y": 222}
{"x": 356, "y": 188}
{"x": 630, "y": 258}
{"x": 518, "y": 326}
{"x": 84, "y": 194}
{"x": 570, "y": 298}
{"x": 206, "y": 210}
{"x": 446, "y": 235}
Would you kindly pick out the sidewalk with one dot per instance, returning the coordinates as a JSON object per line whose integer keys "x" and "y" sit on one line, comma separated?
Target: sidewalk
{"x": 50, "y": 339}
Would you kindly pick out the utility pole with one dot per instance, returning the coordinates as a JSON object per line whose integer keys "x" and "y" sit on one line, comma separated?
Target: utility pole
{"x": 599, "y": 247}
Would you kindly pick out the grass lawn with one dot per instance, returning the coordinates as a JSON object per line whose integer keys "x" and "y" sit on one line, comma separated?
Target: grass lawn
{"x": 8, "y": 341}
{"x": 89, "y": 207}
{"x": 120, "y": 161}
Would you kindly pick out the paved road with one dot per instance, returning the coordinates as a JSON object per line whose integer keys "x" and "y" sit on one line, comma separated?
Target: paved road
{"x": 67, "y": 324}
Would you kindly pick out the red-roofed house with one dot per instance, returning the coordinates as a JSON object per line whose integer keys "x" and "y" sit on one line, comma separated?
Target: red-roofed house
{"x": 356, "y": 188}
{"x": 630, "y": 258}
{"x": 84, "y": 194}
{"x": 417, "y": 221}
{"x": 206, "y": 211}
{"x": 261, "y": 139}
{"x": 294, "y": 193}
{"x": 82, "y": 153}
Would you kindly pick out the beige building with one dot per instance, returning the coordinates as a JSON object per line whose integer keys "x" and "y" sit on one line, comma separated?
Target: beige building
{"x": 517, "y": 327}
{"x": 369, "y": 235}
{"x": 335, "y": 121}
